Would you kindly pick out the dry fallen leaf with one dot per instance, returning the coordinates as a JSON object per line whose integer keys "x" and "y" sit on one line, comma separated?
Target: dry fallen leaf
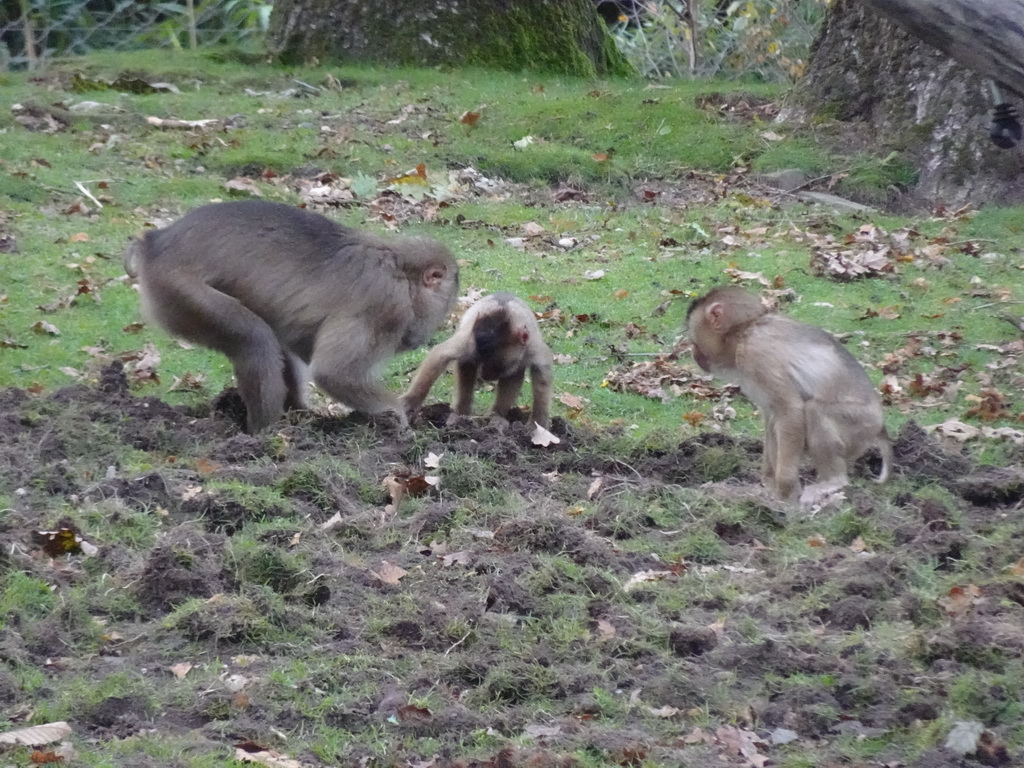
{"x": 739, "y": 742}
{"x": 63, "y": 541}
{"x": 542, "y": 437}
{"x": 41, "y": 326}
{"x": 698, "y": 736}
{"x": 757, "y": 277}
{"x": 389, "y": 574}
{"x": 606, "y": 628}
{"x": 333, "y": 523}
{"x": 642, "y": 577}
{"x": 249, "y": 752}
{"x": 242, "y": 186}
{"x": 160, "y": 122}
{"x": 955, "y": 429}
{"x": 961, "y": 599}
{"x": 542, "y": 731}
{"x": 964, "y": 736}
{"x": 206, "y": 466}
{"x": 181, "y": 669}
{"x": 187, "y": 382}
{"x": 456, "y": 558}
{"x": 37, "y": 735}
{"x": 665, "y": 711}
{"x": 858, "y": 545}
{"x": 412, "y": 713}
{"x": 574, "y": 402}
{"x": 40, "y": 758}
{"x": 234, "y": 683}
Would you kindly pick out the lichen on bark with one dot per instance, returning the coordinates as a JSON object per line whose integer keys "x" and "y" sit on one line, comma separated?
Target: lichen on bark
{"x": 561, "y": 36}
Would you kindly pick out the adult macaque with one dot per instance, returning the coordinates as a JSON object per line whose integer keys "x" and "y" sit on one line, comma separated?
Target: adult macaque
{"x": 278, "y": 289}
{"x": 498, "y": 339}
{"x": 813, "y": 395}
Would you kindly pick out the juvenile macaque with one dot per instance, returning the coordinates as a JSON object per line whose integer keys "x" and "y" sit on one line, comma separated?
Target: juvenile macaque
{"x": 498, "y": 339}
{"x": 813, "y": 395}
{"x": 278, "y": 289}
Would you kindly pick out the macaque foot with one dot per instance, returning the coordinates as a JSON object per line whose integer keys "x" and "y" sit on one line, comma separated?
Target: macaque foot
{"x": 412, "y": 412}
{"x": 820, "y": 495}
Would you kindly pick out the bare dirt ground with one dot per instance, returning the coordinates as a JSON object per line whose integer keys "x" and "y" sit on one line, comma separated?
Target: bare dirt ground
{"x": 568, "y": 605}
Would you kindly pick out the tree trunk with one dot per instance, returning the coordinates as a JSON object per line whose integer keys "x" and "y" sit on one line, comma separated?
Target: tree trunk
{"x": 563, "y": 36}
{"x": 985, "y": 35}
{"x": 910, "y": 98}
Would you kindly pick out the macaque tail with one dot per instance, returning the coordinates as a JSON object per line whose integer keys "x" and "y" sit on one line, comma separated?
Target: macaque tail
{"x": 885, "y": 447}
{"x": 490, "y": 334}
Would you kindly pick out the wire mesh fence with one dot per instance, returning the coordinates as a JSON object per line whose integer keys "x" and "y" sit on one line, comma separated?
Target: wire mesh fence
{"x": 33, "y": 31}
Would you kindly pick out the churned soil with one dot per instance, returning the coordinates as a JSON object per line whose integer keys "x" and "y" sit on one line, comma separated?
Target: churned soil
{"x": 532, "y": 606}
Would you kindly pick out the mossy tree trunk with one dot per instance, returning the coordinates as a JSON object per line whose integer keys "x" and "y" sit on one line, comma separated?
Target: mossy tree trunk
{"x": 564, "y": 36}
{"x": 985, "y": 35}
{"x": 913, "y": 99}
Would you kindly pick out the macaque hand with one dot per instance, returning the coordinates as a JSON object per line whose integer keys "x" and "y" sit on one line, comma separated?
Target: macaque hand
{"x": 409, "y": 408}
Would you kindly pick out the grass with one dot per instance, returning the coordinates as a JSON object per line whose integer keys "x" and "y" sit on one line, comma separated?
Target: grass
{"x": 651, "y": 132}
{"x": 517, "y": 608}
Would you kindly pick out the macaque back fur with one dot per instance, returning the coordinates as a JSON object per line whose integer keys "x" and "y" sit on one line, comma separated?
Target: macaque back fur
{"x": 276, "y": 288}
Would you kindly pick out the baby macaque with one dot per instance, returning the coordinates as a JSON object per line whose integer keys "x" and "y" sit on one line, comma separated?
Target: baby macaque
{"x": 813, "y": 395}
{"x": 279, "y": 289}
{"x": 498, "y": 339}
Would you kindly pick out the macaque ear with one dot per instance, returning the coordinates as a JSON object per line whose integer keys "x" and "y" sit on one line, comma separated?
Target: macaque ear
{"x": 434, "y": 275}
{"x": 523, "y": 337}
{"x": 715, "y": 314}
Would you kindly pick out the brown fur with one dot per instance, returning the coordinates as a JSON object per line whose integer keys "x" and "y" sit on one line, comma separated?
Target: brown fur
{"x": 277, "y": 289}
{"x": 813, "y": 395}
{"x": 499, "y": 340}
